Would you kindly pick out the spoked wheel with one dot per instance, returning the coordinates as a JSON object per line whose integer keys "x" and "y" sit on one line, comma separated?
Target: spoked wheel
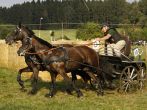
{"x": 141, "y": 78}
{"x": 128, "y": 80}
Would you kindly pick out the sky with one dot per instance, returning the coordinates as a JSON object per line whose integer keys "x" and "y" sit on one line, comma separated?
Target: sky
{"x": 9, "y": 3}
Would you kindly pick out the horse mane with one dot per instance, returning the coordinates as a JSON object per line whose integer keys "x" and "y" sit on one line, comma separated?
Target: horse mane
{"x": 43, "y": 42}
{"x": 32, "y": 34}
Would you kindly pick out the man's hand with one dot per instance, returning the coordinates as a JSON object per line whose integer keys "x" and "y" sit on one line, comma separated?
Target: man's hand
{"x": 97, "y": 39}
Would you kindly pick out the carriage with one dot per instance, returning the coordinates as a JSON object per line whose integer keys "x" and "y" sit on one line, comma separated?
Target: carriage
{"x": 129, "y": 70}
{"x": 61, "y": 60}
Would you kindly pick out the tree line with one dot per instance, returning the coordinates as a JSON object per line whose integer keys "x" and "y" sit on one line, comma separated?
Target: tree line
{"x": 133, "y": 16}
{"x": 76, "y": 11}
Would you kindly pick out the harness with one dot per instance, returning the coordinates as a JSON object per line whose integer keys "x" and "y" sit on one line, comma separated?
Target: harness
{"x": 63, "y": 58}
{"x": 54, "y": 58}
{"x": 35, "y": 60}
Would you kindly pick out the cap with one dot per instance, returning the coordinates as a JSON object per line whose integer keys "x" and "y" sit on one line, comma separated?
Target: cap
{"x": 104, "y": 24}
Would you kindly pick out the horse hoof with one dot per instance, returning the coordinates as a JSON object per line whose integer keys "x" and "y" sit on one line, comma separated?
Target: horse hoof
{"x": 23, "y": 90}
{"x": 68, "y": 91}
{"x": 86, "y": 88}
{"x": 112, "y": 86}
{"x": 80, "y": 94}
{"x": 49, "y": 95}
{"x": 100, "y": 93}
{"x": 32, "y": 92}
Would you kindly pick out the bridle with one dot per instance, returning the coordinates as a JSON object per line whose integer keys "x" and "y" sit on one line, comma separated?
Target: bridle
{"x": 26, "y": 49}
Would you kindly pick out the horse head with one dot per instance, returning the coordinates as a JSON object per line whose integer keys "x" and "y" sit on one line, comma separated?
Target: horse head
{"x": 26, "y": 46}
{"x": 18, "y": 34}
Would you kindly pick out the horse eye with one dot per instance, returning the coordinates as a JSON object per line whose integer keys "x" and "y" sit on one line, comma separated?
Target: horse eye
{"x": 15, "y": 31}
{"x": 27, "y": 40}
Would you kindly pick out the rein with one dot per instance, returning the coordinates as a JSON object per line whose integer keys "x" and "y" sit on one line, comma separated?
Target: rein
{"x": 91, "y": 44}
{"x": 45, "y": 51}
{"x": 68, "y": 59}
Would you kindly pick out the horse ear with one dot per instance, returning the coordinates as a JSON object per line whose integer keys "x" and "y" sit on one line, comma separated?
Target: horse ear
{"x": 19, "y": 25}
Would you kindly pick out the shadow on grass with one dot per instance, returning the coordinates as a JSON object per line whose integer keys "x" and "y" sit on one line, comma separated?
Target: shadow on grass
{"x": 60, "y": 85}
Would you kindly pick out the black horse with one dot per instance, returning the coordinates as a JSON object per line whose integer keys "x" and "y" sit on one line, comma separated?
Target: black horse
{"x": 62, "y": 60}
{"x": 34, "y": 62}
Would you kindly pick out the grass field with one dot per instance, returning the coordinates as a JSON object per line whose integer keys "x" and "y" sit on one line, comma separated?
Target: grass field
{"x": 45, "y": 34}
{"x": 11, "y": 98}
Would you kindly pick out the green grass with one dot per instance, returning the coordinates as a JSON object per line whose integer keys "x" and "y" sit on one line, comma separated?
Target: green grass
{"x": 45, "y": 34}
{"x": 11, "y": 98}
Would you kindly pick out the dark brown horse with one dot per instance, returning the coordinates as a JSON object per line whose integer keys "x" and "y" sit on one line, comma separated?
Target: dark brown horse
{"x": 49, "y": 60}
{"x": 34, "y": 62}
{"x": 63, "y": 60}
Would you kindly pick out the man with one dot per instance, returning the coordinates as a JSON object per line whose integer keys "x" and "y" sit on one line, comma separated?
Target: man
{"x": 113, "y": 40}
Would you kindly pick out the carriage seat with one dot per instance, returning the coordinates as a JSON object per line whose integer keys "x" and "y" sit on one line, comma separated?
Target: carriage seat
{"x": 127, "y": 49}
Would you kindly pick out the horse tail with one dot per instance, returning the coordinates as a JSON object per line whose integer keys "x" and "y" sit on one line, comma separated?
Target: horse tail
{"x": 127, "y": 50}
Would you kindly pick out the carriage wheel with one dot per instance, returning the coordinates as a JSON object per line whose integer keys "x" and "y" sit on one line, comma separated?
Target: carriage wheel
{"x": 141, "y": 78}
{"x": 128, "y": 80}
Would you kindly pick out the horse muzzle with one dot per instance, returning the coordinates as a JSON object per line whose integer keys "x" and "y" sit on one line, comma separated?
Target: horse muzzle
{"x": 21, "y": 53}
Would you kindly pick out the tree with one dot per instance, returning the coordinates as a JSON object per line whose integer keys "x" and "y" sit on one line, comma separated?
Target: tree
{"x": 143, "y": 6}
{"x": 134, "y": 14}
{"x": 99, "y": 11}
{"x": 89, "y": 31}
{"x": 116, "y": 11}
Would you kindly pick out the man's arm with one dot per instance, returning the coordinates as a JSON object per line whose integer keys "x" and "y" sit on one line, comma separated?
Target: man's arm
{"x": 104, "y": 38}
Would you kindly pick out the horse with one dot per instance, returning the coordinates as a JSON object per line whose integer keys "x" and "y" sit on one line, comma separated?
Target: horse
{"x": 55, "y": 59}
{"x": 33, "y": 61}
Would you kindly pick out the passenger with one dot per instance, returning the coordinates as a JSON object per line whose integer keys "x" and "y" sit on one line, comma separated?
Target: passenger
{"x": 113, "y": 40}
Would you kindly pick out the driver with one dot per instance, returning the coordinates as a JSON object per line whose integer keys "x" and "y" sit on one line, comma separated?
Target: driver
{"x": 113, "y": 40}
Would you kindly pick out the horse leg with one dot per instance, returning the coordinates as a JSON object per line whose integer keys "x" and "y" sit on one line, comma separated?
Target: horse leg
{"x": 83, "y": 75}
{"x": 52, "y": 89}
{"x": 79, "y": 93}
{"x": 86, "y": 78}
{"x": 111, "y": 85}
{"x": 74, "y": 77}
{"x": 67, "y": 79}
{"x": 21, "y": 83}
{"x": 34, "y": 80}
{"x": 91, "y": 84}
{"x": 98, "y": 82}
